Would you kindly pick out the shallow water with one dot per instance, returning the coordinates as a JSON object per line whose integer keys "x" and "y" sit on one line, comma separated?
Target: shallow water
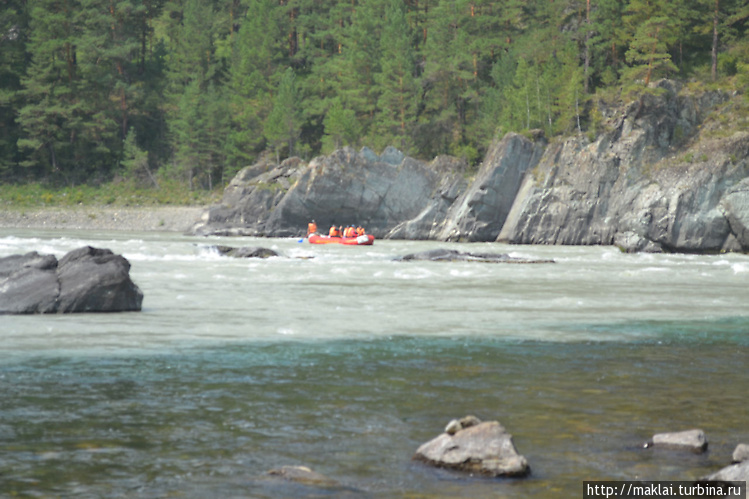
{"x": 340, "y": 359}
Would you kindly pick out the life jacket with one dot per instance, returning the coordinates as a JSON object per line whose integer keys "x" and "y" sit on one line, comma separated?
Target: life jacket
{"x": 334, "y": 232}
{"x": 360, "y": 231}
{"x": 347, "y": 232}
{"x": 311, "y": 228}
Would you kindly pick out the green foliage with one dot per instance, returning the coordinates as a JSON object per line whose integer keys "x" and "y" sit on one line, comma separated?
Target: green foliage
{"x": 118, "y": 193}
{"x": 341, "y": 127}
{"x": 397, "y": 102}
{"x": 281, "y": 128}
{"x": 206, "y": 87}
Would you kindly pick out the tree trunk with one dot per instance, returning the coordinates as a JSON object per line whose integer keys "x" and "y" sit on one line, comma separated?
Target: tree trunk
{"x": 587, "y": 48}
{"x": 714, "y": 69}
{"x": 652, "y": 56}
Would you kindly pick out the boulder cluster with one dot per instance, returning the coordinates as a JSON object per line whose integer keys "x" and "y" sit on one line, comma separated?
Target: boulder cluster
{"x": 84, "y": 280}
{"x": 485, "y": 449}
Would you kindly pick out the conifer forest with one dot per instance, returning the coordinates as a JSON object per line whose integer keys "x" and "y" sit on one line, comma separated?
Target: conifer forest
{"x": 92, "y": 90}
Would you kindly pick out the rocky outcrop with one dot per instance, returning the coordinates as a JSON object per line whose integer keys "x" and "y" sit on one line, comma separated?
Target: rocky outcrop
{"x": 483, "y": 448}
{"x": 480, "y": 213}
{"x": 659, "y": 177}
{"x": 447, "y": 255}
{"x": 84, "y": 280}
{"x": 651, "y": 183}
{"x": 377, "y": 192}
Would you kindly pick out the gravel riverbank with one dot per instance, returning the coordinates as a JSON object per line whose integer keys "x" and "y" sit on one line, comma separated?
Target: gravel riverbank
{"x": 158, "y": 218}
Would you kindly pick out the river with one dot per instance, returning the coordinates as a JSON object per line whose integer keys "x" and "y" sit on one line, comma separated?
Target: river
{"x": 344, "y": 360}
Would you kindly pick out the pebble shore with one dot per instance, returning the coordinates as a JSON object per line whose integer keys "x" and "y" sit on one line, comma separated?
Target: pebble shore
{"x": 137, "y": 219}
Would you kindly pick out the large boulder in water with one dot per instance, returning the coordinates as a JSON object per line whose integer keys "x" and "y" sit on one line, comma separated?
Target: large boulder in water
{"x": 84, "y": 280}
{"x": 484, "y": 448}
{"x": 28, "y": 284}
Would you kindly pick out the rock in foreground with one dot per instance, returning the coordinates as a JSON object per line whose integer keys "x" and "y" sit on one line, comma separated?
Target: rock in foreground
{"x": 447, "y": 255}
{"x": 735, "y": 473}
{"x": 84, "y": 280}
{"x": 484, "y": 448}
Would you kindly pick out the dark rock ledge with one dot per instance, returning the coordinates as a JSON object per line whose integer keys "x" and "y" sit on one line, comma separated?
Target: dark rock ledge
{"x": 84, "y": 280}
{"x": 245, "y": 251}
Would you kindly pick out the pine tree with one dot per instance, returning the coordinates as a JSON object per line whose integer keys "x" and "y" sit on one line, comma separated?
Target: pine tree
{"x": 135, "y": 161}
{"x": 194, "y": 93}
{"x": 648, "y": 52}
{"x": 51, "y": 90}
{"x": 281, "y": 128}
{"x": 257, "y": 54}
{"x": 358, "y": 88}
{"x": 607, "y": 44}
{"x": 397, "y": 102}
{"x": 13, "y": 26}
{"x": 445, "y": 80}
{"x": 341, "y": 127}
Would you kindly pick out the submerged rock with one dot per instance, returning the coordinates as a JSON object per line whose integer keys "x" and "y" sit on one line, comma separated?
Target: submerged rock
{"x": 483, "y": 448}
{"x": 302, "y": 474}
{"x": 447, "y": 255}
{"x": 245, "y": 252}
{"x": 693, "y": 440}
{"x": 84, "y": 280}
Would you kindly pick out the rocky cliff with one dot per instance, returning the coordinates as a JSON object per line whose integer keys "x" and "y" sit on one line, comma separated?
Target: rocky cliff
{"x": 347, "y": 187}
{"x": 654, "y": 181}
{"x": 659, "y": 177}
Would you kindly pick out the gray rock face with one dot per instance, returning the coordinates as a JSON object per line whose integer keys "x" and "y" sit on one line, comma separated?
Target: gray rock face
{"x": 735, "y": 207}
{"x": 344, "y": 188}
{"x": 485, "y": 448}
{"x": 84, "y": 280}
{"x": 480, "y": 213}
{"x": 631, "y": 188}
{"x": 28, "y": 284}
{"x": 431, "y": 220}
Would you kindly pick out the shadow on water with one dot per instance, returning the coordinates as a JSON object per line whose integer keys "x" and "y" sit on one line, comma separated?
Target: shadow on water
{"x": 211, "y": 422}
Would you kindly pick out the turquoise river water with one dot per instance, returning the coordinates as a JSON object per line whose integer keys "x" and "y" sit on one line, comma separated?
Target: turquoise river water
{"x": 344, "y": 360}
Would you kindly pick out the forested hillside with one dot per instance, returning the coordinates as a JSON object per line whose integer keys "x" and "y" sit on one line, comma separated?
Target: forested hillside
{"x": 91, "y": 90}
